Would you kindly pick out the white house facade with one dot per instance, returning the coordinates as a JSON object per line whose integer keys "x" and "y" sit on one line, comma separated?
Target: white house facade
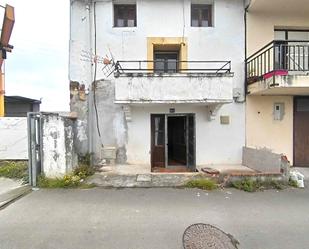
{"x": 161, "y": 82}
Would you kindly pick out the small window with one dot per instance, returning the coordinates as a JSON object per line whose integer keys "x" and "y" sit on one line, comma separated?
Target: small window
{"x": 166, "y": 61}
{"x": 201, "y": 15}
{"x": 125, "y": 15}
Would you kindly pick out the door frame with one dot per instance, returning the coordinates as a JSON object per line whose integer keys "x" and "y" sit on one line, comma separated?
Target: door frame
{"x": 294, "y": 111}
{"x": 152, "y": 142}
{"x": 166, "y": 115}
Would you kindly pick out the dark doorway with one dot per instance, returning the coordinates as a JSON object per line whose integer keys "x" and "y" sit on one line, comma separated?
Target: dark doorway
{"x": 177, "y": 145}
{"x": 172, "y": 142}
{"x": 301, "y": 131}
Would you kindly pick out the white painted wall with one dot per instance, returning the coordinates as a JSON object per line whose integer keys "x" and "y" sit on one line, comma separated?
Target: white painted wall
{"x": 157, "y": 18}
{"x": 177, "y": 88}
{"x": 13, "y": 138}
{"x": 80, "y": 45}
{"x": 59, "y": 155}
{"x": 53, "y": 137}
{"x": 215, "y": 143}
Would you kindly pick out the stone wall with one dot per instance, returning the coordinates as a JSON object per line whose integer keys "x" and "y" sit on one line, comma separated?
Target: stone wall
{"x": 264, "y": 160}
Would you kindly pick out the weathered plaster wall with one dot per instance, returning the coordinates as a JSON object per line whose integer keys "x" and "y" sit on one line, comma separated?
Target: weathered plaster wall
{"x": 174, "y": 88}
{"x": 13, "y": 139}
{"x": 59, "y": 155}
{"x": 79, "y": 106}
{"x": 215, "y": 143}
{"x": 262, "y": 160}
{"x": 261, "y": 128}
{"x": 111, "y": 122}
{"x": 224, "y": 41}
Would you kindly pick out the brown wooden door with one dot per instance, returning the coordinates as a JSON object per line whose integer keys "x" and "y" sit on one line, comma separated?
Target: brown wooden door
{"x": 157, "y": 140}
{"x": 301, "y": 131}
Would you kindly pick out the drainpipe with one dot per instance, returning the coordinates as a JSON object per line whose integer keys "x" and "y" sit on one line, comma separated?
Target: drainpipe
{"x": 245, "y": 81}
{"x": 245, "y": 20}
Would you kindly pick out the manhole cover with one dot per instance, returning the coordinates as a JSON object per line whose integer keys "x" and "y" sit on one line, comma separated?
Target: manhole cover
{"x": 204, "y": 236}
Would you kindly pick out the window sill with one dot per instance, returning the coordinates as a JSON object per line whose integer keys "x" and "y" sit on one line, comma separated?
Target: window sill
{"x": 203, "y": 27}
{"x": 126, "y": 27}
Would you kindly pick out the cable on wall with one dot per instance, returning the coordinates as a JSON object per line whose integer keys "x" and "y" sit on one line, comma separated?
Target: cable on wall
{"x": 95, "y": 73}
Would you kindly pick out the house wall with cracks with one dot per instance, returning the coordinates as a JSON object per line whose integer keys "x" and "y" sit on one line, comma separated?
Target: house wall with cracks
{"x": 126, "y": 126}
{"x": 59, "y": 156}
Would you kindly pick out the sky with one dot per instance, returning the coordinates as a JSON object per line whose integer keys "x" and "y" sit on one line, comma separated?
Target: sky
{"x": 38, "y": 65}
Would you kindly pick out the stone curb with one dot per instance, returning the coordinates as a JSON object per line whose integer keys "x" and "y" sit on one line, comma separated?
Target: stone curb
{"x": 173, "y": 180}
{"x": 12, "y": 195}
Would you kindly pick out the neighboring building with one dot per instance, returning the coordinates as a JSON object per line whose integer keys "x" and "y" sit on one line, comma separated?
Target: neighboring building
{"x": 17, "y": 106}
{"x": 176, "y": 97}
{"x": 277, "y": 106}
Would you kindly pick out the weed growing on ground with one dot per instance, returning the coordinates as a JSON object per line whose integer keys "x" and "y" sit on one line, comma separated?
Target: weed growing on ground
{"x": 14, "y": 169}
{"x": 205, "y": 184}
{"x": 84, "y": 170}
{"x": 74, "y": 180}
{"x": 293, "y": 183}
{"x": 246, "y": 184}
{"x": 250, "y": 185}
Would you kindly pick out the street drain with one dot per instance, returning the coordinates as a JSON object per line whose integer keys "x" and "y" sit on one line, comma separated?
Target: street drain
{"x": 204, "y": 236}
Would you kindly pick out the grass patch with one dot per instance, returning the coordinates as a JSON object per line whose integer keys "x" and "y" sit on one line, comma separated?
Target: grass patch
{"x": 205, "y": 184}
{"x": 246, "y": 184}
{"x": 250, "y": 185}
{"x": 293, "y": 183}
{"x": 74, "y": 180}
{"x": 14, "y": 169}
{"x": 277, "y": 185}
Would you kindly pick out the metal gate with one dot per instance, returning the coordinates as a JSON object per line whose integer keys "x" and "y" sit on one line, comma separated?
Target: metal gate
{"x": 34, "y": 146}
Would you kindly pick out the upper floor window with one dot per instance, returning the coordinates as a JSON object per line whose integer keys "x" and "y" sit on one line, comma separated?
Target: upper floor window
{"x": 166, "y": 61}
{"x": 290, "y": 34}
{"x": 201, "y": 15}
{"x": 125, "y": 15}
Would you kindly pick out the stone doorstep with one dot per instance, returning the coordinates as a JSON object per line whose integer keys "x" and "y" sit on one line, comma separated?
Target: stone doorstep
{"x": 254, "y": 174}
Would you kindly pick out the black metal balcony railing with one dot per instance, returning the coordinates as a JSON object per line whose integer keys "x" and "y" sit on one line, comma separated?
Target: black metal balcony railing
{"x": 172, "y": 66}
{"x": 278, "y": 55}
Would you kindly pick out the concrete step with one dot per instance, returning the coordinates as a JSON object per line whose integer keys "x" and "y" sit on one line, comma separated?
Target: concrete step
{"x": 143, "y": 180}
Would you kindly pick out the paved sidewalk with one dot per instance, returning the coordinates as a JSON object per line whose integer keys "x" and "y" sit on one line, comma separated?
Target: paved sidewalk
{"x": 11, "y": 190}
{"x": 153, "y": 218}
{"x": 7, "y": 184}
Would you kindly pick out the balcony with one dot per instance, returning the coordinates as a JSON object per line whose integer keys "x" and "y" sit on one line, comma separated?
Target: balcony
{"x": 279, "y": 68}
{"x": 173, "y": 81}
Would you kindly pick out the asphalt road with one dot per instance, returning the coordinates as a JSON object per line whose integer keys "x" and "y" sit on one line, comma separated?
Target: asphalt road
{"x": 153, "y": 218}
